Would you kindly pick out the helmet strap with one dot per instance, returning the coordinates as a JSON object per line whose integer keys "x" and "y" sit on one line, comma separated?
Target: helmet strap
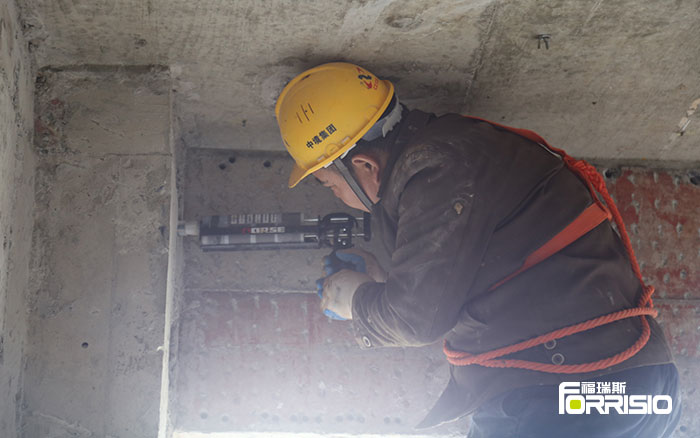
{"x": 352, "y": 182}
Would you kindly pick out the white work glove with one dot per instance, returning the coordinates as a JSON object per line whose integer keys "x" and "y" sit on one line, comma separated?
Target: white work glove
{"x": 338, "y": 290}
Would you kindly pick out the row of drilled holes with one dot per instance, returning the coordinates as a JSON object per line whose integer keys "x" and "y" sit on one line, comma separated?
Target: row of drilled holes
{"x": 232, "y": 160}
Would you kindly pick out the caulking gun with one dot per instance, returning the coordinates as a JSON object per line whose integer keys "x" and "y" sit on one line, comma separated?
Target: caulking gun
{"x": 240, "y": 232}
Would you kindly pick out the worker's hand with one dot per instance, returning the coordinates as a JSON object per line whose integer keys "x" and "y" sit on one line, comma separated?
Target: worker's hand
{"x": 338, "y": 290}
{"x": 371, "y": 265}
{"x": 352, "y": 260}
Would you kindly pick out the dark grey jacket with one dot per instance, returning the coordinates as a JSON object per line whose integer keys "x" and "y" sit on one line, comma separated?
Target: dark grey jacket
{"x": 463, "y": 203}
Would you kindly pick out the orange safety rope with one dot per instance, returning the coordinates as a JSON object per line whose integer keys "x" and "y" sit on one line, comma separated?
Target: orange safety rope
{"x": 645, "y": 305}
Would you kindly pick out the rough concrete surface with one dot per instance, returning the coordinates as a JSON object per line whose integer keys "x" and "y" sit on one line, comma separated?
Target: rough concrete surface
{"x": 16, "y": 204}
{"x": 273, "y": 362}
{"x": 269, "y": 43}
{"x": 619, "y": 78}
{"x": 100, "y": 254}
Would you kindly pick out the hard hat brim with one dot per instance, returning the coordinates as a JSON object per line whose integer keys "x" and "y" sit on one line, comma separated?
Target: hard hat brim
{"x": 298, "y": 173}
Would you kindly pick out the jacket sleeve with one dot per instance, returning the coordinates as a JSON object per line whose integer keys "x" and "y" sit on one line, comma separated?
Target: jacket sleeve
{"x": 442, "y": 232}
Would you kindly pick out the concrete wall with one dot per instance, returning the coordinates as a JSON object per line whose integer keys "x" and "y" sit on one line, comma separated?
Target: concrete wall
{"x": 100, "y": 253}
{"x": 16, "y": 203}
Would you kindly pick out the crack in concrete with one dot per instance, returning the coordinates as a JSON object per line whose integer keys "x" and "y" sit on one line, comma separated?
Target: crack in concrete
{"x": 480, "y": 53}
{"x": 591, "y": 14}
{"x": 107, "y": 129}
{"x": 682, "y": 126}
{"x": 68, "y": 425}
{"x": 685, "y": 120}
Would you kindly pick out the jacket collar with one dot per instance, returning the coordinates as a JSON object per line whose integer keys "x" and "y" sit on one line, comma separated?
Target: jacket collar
{"x": 411, "y": 122}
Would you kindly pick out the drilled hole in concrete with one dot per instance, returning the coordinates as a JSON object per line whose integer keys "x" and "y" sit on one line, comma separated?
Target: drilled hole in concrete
{"x": 612, "y": 173}
{"x": 267, "y": 164}
{"x": 85, "y": 345}
{"x": 694, "y": 176}
{"x": 224, "y": 418}
{"x": 203, "y": 415}
{"x": 232, "y": 160}
{"x": 222, "y": 166}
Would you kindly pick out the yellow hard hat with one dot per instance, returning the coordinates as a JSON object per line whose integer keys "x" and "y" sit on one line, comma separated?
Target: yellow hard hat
{"x": 325, "y": 111}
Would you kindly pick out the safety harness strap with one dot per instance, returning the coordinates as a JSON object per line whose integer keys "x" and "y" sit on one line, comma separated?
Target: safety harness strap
{"x": 591, "y": 217}
{"x": 585, "y": 222}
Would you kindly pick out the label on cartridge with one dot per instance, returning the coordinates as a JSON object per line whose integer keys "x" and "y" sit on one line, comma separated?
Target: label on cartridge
{"x": 267, "y": 230}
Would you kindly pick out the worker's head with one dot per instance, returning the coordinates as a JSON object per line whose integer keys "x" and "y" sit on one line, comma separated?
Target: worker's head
{"x": 323, "y": 114}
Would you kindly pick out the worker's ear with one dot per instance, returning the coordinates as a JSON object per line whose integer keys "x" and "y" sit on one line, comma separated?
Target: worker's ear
{"x": 367, "y": 166}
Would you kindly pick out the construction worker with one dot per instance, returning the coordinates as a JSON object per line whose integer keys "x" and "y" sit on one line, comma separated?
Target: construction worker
{"x": 495, "y": 239}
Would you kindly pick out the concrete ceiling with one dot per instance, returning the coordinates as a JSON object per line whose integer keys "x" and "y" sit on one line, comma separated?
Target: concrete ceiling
{"x": 621, "y": 79}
